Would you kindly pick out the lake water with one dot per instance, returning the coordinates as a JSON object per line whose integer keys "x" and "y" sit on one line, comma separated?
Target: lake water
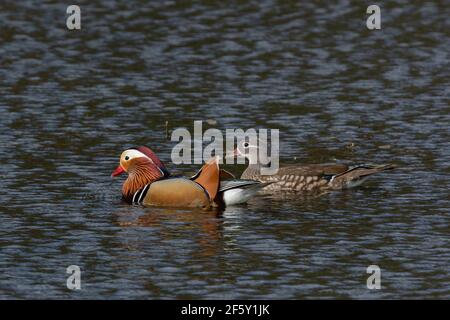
{"x": 72, "y": 101}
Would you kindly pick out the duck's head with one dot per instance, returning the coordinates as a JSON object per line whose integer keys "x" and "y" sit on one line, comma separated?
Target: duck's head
{"x": 128, "y": 159}
{"x": 244, "y": 149}
{"x": 143, "y": 167}
{"x": 248, "y": 149}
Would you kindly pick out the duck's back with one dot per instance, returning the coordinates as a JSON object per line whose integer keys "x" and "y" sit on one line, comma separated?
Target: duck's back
{"x": 296, "y": 177}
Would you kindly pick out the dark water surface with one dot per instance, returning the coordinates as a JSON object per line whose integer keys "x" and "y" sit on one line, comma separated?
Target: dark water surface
{"x": 71, "y": 101}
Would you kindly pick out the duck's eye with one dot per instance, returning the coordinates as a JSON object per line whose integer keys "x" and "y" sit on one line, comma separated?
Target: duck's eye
{"x": 246, "y": 144}
{"x": 127, "y": 158}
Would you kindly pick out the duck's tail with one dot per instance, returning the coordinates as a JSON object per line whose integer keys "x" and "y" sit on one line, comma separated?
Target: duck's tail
{"x": 356, "y": 175}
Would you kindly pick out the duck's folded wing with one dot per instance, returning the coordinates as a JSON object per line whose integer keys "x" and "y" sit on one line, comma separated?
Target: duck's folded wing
{"x": 233, "y": 184}
{"x": 317, "y": 170}
{"x": 238, "y": 191}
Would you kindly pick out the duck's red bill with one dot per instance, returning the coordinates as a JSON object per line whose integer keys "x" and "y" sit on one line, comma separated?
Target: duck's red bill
{"x": 119, "y": 170}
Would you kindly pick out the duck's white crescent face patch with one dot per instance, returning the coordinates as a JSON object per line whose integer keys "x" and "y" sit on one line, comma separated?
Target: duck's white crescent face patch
{"x": 132, "y": 154}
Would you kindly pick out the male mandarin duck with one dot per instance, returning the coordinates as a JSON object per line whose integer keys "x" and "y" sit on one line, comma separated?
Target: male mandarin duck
{"x": 314, "y": 177}
{"x": 150, "y": 183}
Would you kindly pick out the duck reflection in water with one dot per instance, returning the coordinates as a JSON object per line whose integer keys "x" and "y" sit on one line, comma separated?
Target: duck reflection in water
{"x": 202, "y": 226}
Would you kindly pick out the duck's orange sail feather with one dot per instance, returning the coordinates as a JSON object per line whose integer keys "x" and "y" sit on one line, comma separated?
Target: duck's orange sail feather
{"x": 209, "y": 177}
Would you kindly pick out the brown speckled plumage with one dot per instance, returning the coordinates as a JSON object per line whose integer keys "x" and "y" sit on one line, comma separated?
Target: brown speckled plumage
{"x": 294, "y": 178}
{"x": 313, "y": 177}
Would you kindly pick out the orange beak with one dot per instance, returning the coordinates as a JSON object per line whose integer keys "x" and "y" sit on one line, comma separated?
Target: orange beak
{"x": 119, "y": 170}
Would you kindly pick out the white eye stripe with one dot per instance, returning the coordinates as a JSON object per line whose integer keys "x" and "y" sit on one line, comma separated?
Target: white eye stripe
{"x": 134, "y": 154}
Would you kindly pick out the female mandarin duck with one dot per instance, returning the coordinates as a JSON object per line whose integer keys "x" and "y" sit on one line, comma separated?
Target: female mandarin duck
{"x": 314, "y": 177}
{"x": 150, "y": 183}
